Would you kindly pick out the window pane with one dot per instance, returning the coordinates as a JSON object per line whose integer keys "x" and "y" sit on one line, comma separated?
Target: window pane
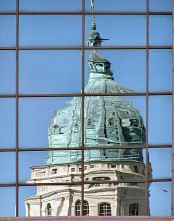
{"x": 50, "y": 5}
{"x": 160, "y": 119}
{"x": 135, "y": 61}
{"x": 106, "y": 165}
{"x": 28, "y": 160}
{"x": 34, "y": 200}
{"x": 128, "y": 115}
{"x": 9, "y": 169}
{"x": 99, "y": 194}
{"x": 7, "y": 5}
{"x": 120, "y": 29}
{"x": 8, "y": 32}
{"x": 24, "y": 194}
{"x": 160, "y": 28}
{"x": 50, "y": 72}
{"x": 164, "y": 168}
{"x": 8, "y": 68}
{"x": 160, "y": 68}
{"x": 7, "y": 201}
{"x": 53, "y": 166}
{"x": 160, "y": 5}
{"x": 8, "y": 123}
{"x": 118, "y": 5}
{"x": 160, "y": 192}
{"x": 50, "y": 30}
{"x": 37, "y": 115}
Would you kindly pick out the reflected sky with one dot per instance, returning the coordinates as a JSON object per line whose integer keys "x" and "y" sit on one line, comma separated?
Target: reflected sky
{"x": 50, "y": 5}
{"x": 7, "y": 201}
{"x": 160, "y": 118}
{"x": 119, "y": 29}
{"x": 128, "y": 67}
{"x": 57, "y": 30}
{"x": 160, "y": 70}
{"x": 8, "y": 123}
{"x": 160, "y": 32}
{"x": 8, "y": 30}
{"x": 160, "y": 199}
{"x": 40, "y": 74}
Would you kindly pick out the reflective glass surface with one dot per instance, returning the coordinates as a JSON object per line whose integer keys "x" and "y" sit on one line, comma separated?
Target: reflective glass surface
{"x": 8, "y": 30}
{"x": 160, "y": 30}
{"x": 50, "y": 5}
{"x": 160, "y": 118}
{"x": 55, "y": 31}
{"x": 8, "y": 123}
{"x": 8, "y": 68}
{"x": 160, "y": 70}
{"x": 119, "y": 29}
{"x": 40, "y": 74}
{"x": 160, "y": 192}
{"x": 7, "y": 200}
{"x": 42, "y": 111}
{"x": 118, "y": 5}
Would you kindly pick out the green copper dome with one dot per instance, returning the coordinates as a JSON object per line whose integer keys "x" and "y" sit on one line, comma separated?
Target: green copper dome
{"x": 109, "y": 120}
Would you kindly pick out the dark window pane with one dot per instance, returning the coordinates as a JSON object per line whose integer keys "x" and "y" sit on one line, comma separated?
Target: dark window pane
{"x": 50, "y": 5}
{"x": 57, "y": 30}
{"x": 164, "y": 168}
{"x": 160, "y": 30}
{"x": 160, "y": 120}
{"x": 126, "y": 66}
{"x": 50, "y": 72}
{"x": 8, "y": 32}
{"x": 160, "y": 70}
{"x": 7, "y": 201}
{"x": 118, "y": 5}
{"x": 160, "y": 5}
{"x": 120, "y": 29}
{"x": 8, "y": 67}
{"x": 8, "y": 123}
{"x": 160, "y": 192}
{"x": 7, "y": 5}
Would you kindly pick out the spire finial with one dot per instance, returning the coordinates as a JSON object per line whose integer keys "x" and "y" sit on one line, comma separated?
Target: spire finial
{"x": 92, "y": 5}
{"x": 93, "y": 18}
{"x": 94, "y": 38}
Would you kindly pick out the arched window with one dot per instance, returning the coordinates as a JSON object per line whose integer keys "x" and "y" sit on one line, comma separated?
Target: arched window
{"x": 133, "y": 209}
{"x": 105, "y": 209}
{"x": 77, "y": 208}
{"x": 28, "y": 209}
{"x": 48, "y": 210}
{"x": 90, "y": 123}
{"x": 111, "y": 122}
{"x": 136, "y": 169}
{"x": 55, "y": 129}
{"x": 85, "y": 208}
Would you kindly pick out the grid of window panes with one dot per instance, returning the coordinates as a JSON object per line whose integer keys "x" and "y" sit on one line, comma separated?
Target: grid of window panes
{"x": 44, "y": 64}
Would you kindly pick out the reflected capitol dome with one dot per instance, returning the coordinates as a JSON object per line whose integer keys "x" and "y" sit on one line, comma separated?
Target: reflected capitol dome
{"x": 110, "y": 175}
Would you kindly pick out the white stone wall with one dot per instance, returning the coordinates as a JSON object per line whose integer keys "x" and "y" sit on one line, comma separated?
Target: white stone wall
{"x": 63, "y": 197}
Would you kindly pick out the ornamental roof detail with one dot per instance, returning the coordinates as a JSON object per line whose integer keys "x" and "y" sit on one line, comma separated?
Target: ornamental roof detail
{"x": 108, "y": 120}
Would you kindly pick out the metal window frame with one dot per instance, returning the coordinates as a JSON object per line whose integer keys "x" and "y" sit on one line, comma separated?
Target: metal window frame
{"x": 83, "y": 48}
